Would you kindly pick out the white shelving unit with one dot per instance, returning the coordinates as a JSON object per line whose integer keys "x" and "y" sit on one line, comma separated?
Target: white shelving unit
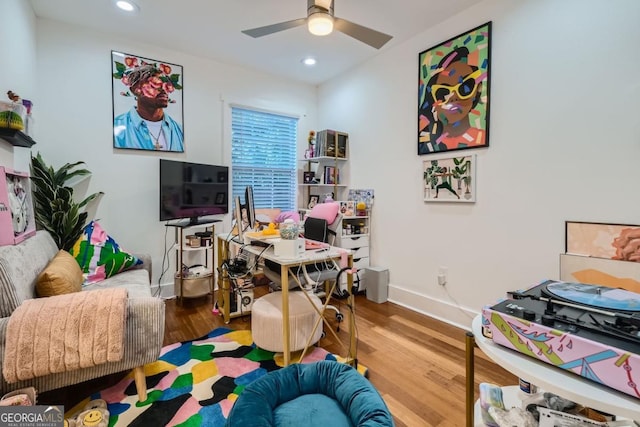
{"x": 326, "y": 171}
{"x": 334, "y": 147}
{"x": 358, "y": 240}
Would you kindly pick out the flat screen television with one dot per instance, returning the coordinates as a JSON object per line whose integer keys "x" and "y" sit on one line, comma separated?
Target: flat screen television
{"x": 192, "y": 190}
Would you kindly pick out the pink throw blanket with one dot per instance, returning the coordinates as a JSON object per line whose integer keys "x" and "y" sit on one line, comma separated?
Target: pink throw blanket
{"x": 64, "y": 333}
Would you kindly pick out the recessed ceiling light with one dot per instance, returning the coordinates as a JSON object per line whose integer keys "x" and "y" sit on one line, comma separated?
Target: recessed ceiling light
{"x": 309, "y": 61}
{"x": 127, "y": 6}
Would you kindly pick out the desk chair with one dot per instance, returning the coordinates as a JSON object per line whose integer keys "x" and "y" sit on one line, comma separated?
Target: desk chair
{"x": 317, "y": 227}
{"x": 320, "y": 225}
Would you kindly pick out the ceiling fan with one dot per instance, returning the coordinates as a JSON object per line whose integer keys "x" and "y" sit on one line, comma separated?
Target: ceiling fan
{"x": 321, "y": 21}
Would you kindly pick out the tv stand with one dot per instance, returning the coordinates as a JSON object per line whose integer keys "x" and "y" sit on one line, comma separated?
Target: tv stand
{"x": 193, "y": 221}
{"x": 197, "y": 281}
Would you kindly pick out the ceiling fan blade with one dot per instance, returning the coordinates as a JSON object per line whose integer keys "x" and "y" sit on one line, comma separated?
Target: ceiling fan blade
{"x": 366, "y": 35}
{"x": 274, "y": 28}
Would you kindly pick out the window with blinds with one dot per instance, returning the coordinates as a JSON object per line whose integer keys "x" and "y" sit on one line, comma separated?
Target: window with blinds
{"x": 263, "y": 155}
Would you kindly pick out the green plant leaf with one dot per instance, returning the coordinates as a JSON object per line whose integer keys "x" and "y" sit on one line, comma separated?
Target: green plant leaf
{"x": 120, "y": 66}
{"x": 54, "y": 207}
{"x": 90, "y": 198}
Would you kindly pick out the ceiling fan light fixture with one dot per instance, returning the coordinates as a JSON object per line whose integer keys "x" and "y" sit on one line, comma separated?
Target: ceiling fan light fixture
{"x": 320, "y": 23}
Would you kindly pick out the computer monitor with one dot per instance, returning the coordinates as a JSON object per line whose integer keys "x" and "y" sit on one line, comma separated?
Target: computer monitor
{"x": 237, "y": 211}
{"x": 251, "y": 209}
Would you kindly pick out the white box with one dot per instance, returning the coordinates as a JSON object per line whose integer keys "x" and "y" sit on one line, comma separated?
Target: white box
{"x": 551, "y": 418}
{"x": 288, "y": 248}
{"x": 377, "y": 284}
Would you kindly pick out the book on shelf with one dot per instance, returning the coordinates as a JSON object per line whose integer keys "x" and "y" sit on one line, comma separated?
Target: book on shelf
{"x": 330, "y": 145}
{"x": 342, "y": 145}
{"x": 321, "y": 138}
{"x": 331, "y": 175}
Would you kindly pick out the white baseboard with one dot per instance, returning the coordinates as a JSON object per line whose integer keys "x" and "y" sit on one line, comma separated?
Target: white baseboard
{"x": 445, "y": 311}
{"x": 166, "y": 290}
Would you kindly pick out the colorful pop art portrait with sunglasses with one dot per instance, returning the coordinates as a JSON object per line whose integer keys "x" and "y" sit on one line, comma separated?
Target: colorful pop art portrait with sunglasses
{"x": 453, "y": 93}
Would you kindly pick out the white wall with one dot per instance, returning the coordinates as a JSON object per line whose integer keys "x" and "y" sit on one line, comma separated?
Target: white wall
{"x": 564, "y": 145}
{"x": 75, "y": 124}
{"x": 17, "y": 68}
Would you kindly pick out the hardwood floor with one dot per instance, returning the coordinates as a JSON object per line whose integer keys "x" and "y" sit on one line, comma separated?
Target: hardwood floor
{"x": 417, "y": 363}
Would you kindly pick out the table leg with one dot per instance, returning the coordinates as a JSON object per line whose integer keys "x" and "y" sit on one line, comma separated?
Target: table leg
{"x": 180, "y": 270}
{"x": 284, "y": 281}
{"x": 224, "y": 286}
{"x": 470, "y": 382}
{"x": 353, "y": 339}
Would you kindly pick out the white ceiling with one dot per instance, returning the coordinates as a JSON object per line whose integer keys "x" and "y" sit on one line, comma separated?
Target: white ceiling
{"x": 212, "y": 29}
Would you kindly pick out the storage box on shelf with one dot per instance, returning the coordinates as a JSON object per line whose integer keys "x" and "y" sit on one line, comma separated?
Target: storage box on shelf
{"x": 194, "y": 276}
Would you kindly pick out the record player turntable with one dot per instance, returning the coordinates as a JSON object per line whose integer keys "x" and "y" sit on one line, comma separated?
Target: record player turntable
{"x": 590, "y": 330}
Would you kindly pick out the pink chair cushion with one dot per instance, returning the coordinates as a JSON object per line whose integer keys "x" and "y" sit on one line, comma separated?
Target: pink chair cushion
{"x": 327, "y": 211}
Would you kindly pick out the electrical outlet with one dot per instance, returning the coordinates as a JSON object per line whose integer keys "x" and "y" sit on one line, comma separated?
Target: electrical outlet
{"x": 442, "y": 276}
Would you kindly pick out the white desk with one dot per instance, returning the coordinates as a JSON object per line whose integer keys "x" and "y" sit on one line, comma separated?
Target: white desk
{"x": 309, "y": 257}
{"x": 557, "y": 380}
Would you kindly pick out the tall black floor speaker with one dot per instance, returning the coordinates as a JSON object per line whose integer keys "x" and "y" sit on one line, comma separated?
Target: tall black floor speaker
{"x": 376, "y": 281}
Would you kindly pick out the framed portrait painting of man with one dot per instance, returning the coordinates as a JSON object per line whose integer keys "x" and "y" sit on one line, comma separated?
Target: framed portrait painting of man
{"x": 453, "y": 93}
{"x": 147, "y": 103}
{"x": 448, "y": 178}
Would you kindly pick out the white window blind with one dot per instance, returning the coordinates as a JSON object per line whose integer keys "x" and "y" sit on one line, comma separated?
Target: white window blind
{"x": 263, "y": 155}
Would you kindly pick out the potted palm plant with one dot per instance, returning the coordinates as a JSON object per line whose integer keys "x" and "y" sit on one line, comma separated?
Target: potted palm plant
{"x": 55, "y": 208}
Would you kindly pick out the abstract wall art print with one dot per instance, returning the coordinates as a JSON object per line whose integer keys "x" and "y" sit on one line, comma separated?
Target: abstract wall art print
{"x": 147, "y": 103}
{"x": 449, "y": 179}
{"x": 613, "y": 241}
{"x": 453, "y": 93}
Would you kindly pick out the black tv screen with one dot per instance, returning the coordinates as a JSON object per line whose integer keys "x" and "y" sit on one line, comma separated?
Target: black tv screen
{"x": 192, "y": 190}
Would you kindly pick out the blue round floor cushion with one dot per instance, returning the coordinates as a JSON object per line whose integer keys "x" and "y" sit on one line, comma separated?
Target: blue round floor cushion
{"x": 325, "y": 393}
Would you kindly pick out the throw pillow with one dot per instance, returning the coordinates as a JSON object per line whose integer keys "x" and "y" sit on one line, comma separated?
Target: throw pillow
{"x": 99, "y": 256}
{"x": 61, "y": 276}
{"x": 327, "y": 211}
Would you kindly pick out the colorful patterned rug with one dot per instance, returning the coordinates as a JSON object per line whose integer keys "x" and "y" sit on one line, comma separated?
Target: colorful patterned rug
{"x": 194, "y": 383}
